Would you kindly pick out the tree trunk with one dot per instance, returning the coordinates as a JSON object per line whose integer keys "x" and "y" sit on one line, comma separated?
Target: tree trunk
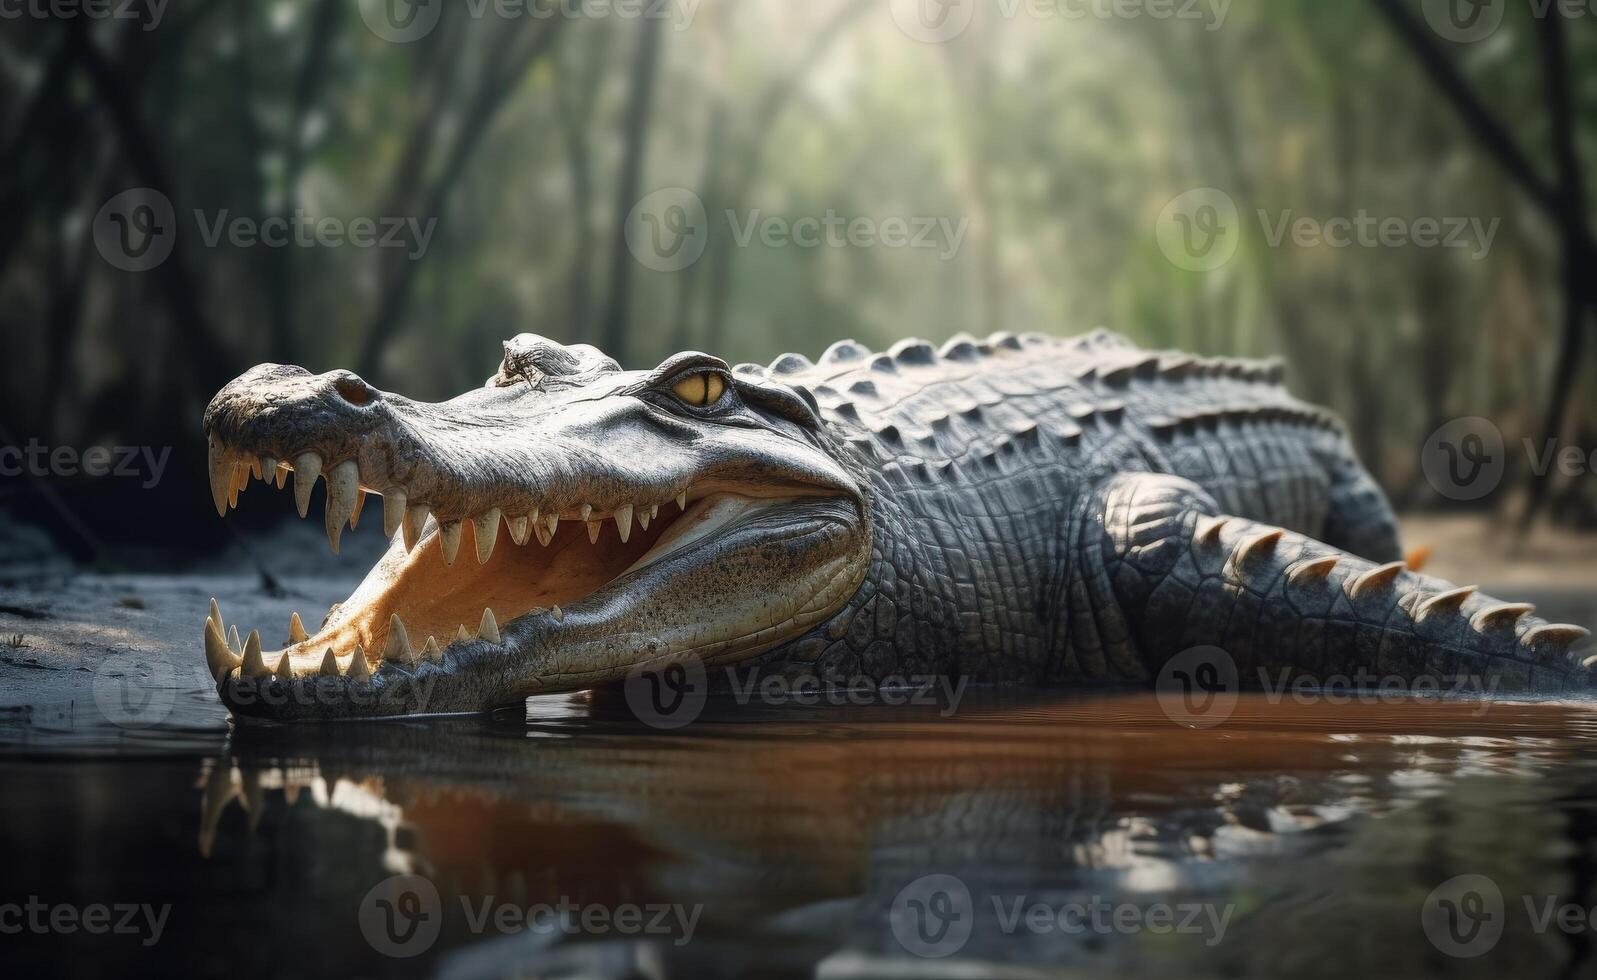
{"x": 613, "y": 329}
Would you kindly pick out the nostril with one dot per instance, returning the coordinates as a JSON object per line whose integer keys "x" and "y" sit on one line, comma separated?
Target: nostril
{"x": 353, "y": 390}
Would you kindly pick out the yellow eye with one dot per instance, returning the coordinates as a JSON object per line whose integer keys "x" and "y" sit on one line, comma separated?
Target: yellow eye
{"x": 701, "y": 390}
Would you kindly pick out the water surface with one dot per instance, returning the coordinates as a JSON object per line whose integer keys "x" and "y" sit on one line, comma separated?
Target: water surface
{"x": 772, "y": 840}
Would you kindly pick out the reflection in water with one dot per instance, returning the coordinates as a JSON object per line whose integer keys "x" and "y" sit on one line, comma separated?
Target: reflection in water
{"x": 784, "y": 837}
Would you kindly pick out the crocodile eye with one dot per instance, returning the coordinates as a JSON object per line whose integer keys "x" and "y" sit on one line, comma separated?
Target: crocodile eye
{"x": 701, "y": 390}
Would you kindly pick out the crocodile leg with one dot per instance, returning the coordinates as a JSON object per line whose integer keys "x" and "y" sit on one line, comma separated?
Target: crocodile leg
{"x": 1183, "y": 575}
{"x": 1359, "y": 519}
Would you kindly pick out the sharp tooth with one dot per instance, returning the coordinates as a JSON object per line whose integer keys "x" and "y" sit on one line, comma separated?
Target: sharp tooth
{"x": 489, "y": 630}
{"x": 461, "y": 636}
{"x": 268, "y": 470}
{"x": 682, "y": 501}
{"x": 393, "y": 511}
{"x": 519, "y": 528}
{"x": 343, "y": 485}
{"x": 359, "y": 670}
{"x": 551, "y": 525}
{"x": 285, "y": 670}
{"x": 624, "y": 522}
{"x": 557, "y": 613}
{"x": 232, "y": 489}
{"x": 233, "y": 642}
{"x": 253, "y": 665}
{"x": 255, "y": 468}
{"x": 296, "y": 630}
{"x": 415, "y": 520}
{"x": 216, "y": 613}
{"x": 431, "y": 651}
{"x": 449, "y": 540}
{"x": 221, "y": 468}
{"x": 307, "y": 467}
{"x": 586, "y": 512}
{"x": 282, "y": 476}
{"x": 643, "y": 518}
{"x": 329, "y": 663}
{"x": 485, "y": 528}
{"x": 398, "y": 648}
{"x": 360, "y": 504}
{"x": 593, "y": 532}
{"x": 218, "y": 657}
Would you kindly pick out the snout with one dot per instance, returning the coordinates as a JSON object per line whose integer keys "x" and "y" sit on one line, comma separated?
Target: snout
{"x": 283, "y": 408}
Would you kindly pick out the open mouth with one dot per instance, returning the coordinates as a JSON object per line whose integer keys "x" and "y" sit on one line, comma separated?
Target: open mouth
{"x": 454, "y": 583}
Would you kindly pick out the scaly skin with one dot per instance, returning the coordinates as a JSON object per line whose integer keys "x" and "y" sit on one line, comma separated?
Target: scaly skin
{"x": 1020, "y": 509}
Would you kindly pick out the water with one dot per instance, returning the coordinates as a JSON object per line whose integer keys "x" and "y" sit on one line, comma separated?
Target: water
{"x": 776, "y": 840}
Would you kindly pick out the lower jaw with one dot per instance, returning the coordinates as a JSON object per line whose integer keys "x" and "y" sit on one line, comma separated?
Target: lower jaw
{"x": 441, "y": 605}
{"x": 593, "y": 640}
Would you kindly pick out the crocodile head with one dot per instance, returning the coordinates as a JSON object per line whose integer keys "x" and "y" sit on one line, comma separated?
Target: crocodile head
{"x": 562, "y": 527}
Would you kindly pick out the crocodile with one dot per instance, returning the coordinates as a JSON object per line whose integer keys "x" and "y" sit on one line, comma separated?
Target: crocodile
{"x": 1015, "y": 509}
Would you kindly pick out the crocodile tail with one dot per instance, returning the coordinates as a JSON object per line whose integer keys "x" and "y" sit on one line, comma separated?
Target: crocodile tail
{"x": 1274, "y": 599}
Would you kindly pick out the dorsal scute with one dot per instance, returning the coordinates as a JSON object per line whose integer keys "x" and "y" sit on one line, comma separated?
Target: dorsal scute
{"x": 790, "y": 364}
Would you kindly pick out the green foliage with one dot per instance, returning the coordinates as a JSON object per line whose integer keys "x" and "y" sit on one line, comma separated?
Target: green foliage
{"x": 1059, "y": 141}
